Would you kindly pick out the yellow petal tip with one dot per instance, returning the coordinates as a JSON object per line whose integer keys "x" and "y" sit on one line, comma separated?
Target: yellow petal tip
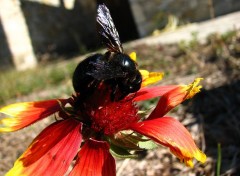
{"x": 5, "y": 124}
{"x": 200, "y": 156}
{"x": 133, "y": 56}
{"x": 189, "y": 163}
{"x": 150, "y": 77}
{"x": 193, "y": 88}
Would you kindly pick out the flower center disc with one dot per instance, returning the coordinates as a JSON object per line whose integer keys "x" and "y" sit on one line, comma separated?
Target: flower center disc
{"x": 108, "y": 116}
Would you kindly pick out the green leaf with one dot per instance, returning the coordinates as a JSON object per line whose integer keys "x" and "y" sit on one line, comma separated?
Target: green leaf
{"x": 147, "y": 145}
{"x": 124, "y": 142}
{"x": 121, "y": 152}
{"x": 219, "y": 160}
{"x": 135, "y": 137}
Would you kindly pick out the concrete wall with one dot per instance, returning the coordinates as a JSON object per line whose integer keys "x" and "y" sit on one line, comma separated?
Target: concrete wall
{"x": 56, "y": 29}
{"x": 16, "y": 42}
{"x": 59, "y": 27}
{"x": 52, "y": 26}
{"x": 152, "y": 14}
{"x": 62, "y": 27}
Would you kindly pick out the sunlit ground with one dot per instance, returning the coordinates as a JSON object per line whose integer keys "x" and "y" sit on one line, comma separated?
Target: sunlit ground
{"x": 212, "y": 116}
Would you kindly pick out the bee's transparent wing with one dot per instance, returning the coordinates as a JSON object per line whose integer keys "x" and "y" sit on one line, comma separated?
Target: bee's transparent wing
{"x": 107, "y": 30}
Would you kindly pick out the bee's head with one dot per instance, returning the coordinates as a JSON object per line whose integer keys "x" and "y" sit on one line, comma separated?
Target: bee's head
{"x": 131, "y": 82}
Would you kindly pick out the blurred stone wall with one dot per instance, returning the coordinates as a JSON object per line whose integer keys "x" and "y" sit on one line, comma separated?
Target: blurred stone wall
{"x": 55, "y": 27}
{"x": 152, "y": 14}
{"x": 5, "y": 54}
{"x": 63, "y": 27}
{"x": 16, "y": 45}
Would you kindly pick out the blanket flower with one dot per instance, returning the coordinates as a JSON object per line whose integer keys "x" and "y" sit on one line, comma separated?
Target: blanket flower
{"x": 92, "y": 131}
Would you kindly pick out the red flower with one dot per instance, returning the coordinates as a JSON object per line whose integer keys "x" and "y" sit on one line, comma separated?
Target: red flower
{"x": 98, "y": 126}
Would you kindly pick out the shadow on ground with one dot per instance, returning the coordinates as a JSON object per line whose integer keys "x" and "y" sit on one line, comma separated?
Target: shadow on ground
{"x": 218, "y": 109}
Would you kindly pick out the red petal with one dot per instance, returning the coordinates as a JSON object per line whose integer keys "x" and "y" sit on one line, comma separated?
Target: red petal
{"x": 52, "y": 150}
{"x": 174, "y": 97}
{"x": 167, "y": 102}
{"x": 171, "y": 133}
{"x": 94, "y": 159}
{"x": 152, "y": 92}
{"x": 27, "y": 113}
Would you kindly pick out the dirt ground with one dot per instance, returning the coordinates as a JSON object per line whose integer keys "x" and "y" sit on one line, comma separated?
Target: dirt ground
{"x": 212, "y": 116}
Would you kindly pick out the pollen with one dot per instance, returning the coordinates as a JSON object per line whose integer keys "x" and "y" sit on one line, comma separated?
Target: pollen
{"x": 193, "y": 88}
{"x": 98, "y": 112}
{"x": 113, "y": 117}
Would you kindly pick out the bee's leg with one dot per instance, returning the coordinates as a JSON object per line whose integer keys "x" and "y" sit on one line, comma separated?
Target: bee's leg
{"x": 113, "y": 93}
{"x": 123, "y": 95}
{"x": 117, "y": 94}
{"x": 88, "y": 89}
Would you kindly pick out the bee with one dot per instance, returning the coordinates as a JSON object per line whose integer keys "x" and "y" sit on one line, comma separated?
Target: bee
{"x": 114, "y": 68}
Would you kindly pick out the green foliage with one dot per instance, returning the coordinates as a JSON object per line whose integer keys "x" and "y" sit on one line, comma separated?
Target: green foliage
{"x": 125, "y": 144}
{"x": 219, "y": 160}
{"x": 145, "y": 105}
{"x": 229, "y": 36}
{"x": 147, "y": 145}
{"x": 187, "y": 46}
{"x": 120, "y": 152}
{"x": 17, "y": 83}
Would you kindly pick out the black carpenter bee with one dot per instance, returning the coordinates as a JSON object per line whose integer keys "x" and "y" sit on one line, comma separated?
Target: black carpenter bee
{"x": 114, "y": 68}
